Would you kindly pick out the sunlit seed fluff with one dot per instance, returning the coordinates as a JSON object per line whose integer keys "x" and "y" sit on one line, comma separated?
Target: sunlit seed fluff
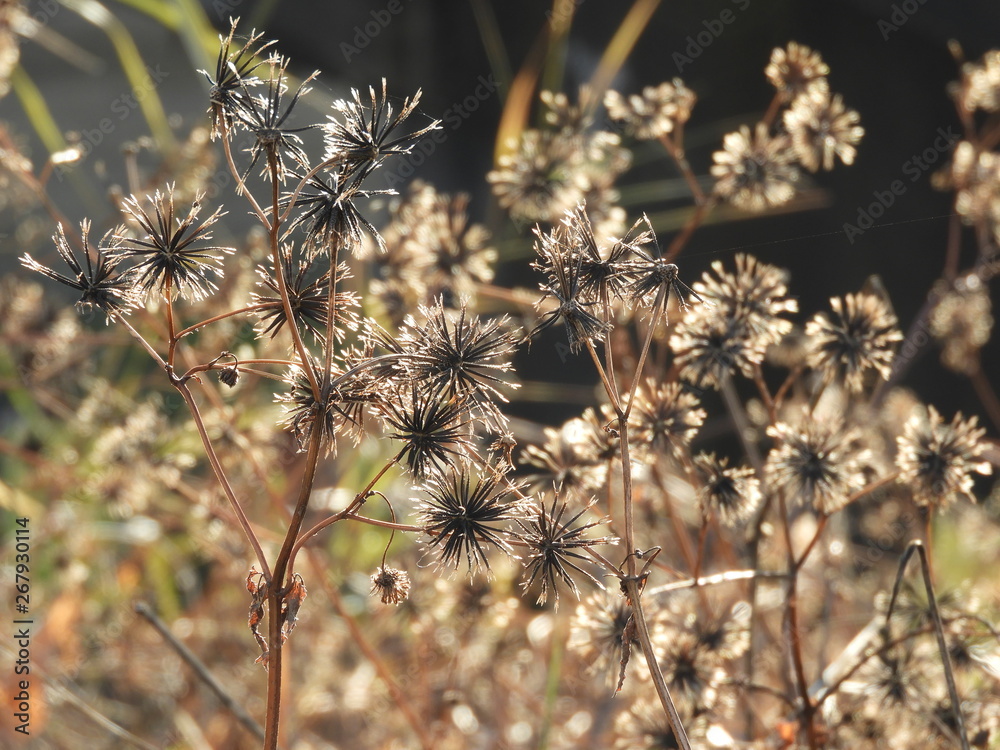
{"x": 754, "y": 297}
{"x": 666, "y": 417}
{"x": 961, "y": 323}
{"x": 937, "y": 459}
{"x": 796, "y": 69}
{"x": 815, "y": 463}
{"x": 654, "y": 113}
{"x": 731, "y": 492}
{"x": 755, "y": 172}
{"x": 859, "y": 336}
{"x": 823, "y": 129}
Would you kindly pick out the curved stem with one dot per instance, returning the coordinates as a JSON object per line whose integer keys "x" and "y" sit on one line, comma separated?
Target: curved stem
{"x": 347, "y": 512}
{"x": 220, "y": 474}
{"x": 223, "y": 316}
{"x": 241, "y": 188}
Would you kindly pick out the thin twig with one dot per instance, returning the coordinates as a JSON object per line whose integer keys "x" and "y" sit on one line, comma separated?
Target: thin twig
{"x": 199, "y": 668}
{"x": 949, "y": 675}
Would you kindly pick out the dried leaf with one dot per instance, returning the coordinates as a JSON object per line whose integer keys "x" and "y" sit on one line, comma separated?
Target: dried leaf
{"x": 628, "y": 635}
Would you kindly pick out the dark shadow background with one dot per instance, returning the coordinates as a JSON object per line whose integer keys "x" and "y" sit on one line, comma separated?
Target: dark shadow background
{"x": 895, "y": 77}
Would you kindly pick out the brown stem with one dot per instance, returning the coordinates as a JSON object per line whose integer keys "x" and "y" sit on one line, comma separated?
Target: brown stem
{"x": 645, "y": 345}
{"x": 223, "y": 316}
{"x": 276, "y": 594}
{"x": 680, "y": 240}
{"x": 359, "y": 499}
{"x": 220, "y": 475}
{"x": 662, "y": 691}
{"x": 677, "y": 154}
{"x": 791, "y": 626}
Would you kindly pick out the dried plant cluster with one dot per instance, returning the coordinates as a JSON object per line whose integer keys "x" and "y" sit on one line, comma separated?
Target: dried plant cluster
{"x": 332, "y": 407}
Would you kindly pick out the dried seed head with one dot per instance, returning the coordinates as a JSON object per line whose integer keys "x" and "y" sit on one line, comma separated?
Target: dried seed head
{"x": 859, "y": 336}
{"x": 666, "y": 417}
{"x": 654, "y": 113}
{"x": 392, "y": 585}
{"x": 755, "y": 172}
{"x": 816, "y": 463}
{"x": 822, "y": 128}
{"x": 937, "y": 459}
{"x": 962, "y": 322}
{"x": 729, "y": 491}
{"x": 795, "y": 70}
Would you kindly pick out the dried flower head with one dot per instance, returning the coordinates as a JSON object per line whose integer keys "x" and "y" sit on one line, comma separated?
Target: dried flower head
{"x": 234, "y": 73}
{"x": 822, "y": 128}
{"x": 666, "y": 416}
{"x": 962, "y": 322}
{"x": 604, "y": 273}
{"x": 754, "y": 298}
{"x": 554, "y": 549}
{"x": 541, "y": 178}
{"x": 598, "y": 629}
{"x": 655, "y": 113}
{"x": 692, "y": 671}
{"x": 733, "y": 493}
{"x": 816, "y": 463}
{"x": 432, "y": 424}
{"x": 563, "y": 266}
{"x": 795, "y": 70}
{"x": 367, "y": 135}
{"x": 391, "y": 585}
{"x": 859, "y": 336}
{"x": 463, "y": 519}
{"x": 652, "y": 281}
{"x": 981, "y": 84}
{"x": 169, "y": 252}
{"x": 755, "y": 172}
{"x": 309, "y": 297}
{"x": 266, "y": 117}
{"x": 547, "y": 173}
{"x": 338, "y": 410}
{"x": 99, "y": 284}
{"x": 710, "y": 347}
{"x": 450, "y": 254}
{"x": 937, "y": 459}
{"x": 567, "y": 460}
{"x": 645, "y": 725}
{"x": 460, "y": 353}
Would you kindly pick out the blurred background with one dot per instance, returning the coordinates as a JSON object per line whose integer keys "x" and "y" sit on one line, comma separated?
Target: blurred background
{"x": 119, "y": 81}
{"x": 890, "y": 61}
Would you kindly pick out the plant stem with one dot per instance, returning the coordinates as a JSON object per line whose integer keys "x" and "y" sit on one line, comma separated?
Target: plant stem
{"x": 220, "y": 474}
{"x": 276, "y": 594}
{"x": 662, "y": 691}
